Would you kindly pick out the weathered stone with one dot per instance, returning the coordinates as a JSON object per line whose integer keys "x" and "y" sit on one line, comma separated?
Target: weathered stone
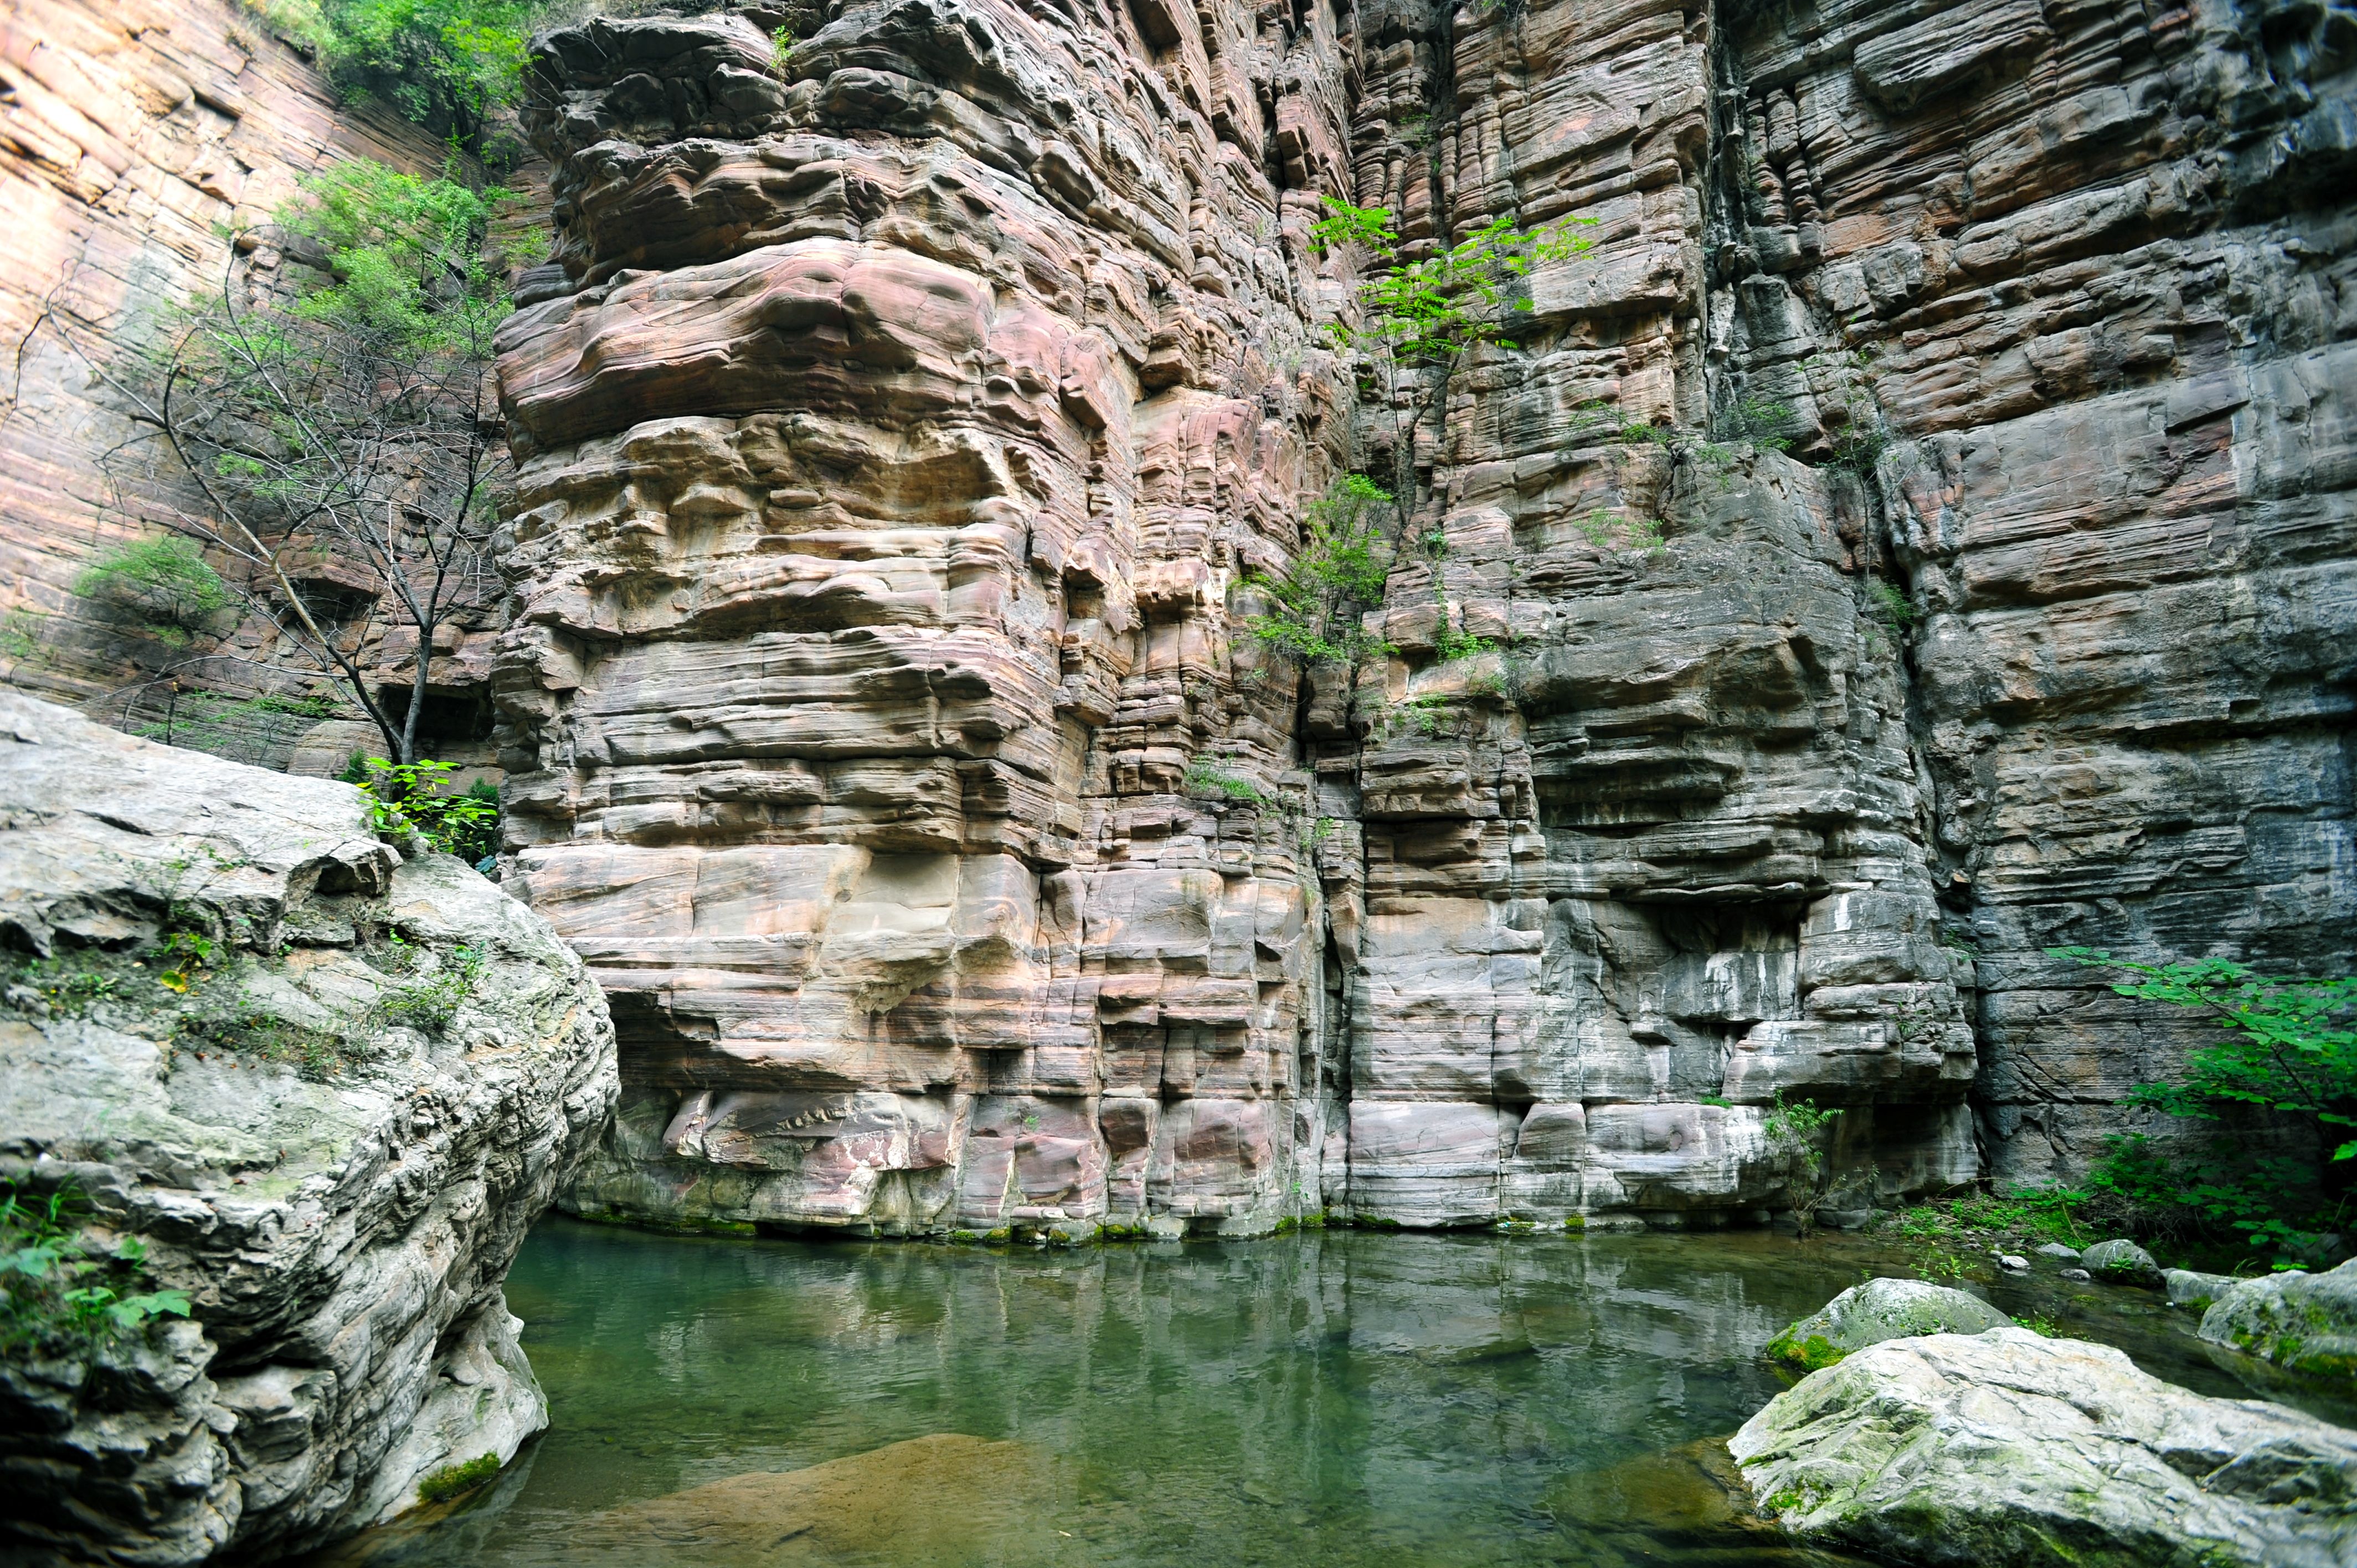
{"x": 2187, "y": 1288}
{"x": 2121, "y": 1262}
{"x": 332, "y": 1143}
{"x": 2004, "y": 1448}
{"x": 2303, "y": 1323}
{"x": 1877, "y": 1310}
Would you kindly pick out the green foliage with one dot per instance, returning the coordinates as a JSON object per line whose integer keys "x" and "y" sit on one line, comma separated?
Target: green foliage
{"x": 2289, "y": 1050}
{"x": 1339, "y": 573}
{"x": 1760, "y": 423}
{"x": 1940, "y": 1265}
{"x": 408, "y": 262}
{"x": 1892, "y": 607}
{"x": 61, "y": 1295}
{"x": 1432, "y": 309}
{"x": 163, "y": 580}
{"x": 450, "y": 65}
{"x": 428, "y": 1005}
{"x": 457, "y": 1480}
{"x": 406, "y": 798}
{"x": 1862, "y": 434}
{"x": 1207, "y": 780}
{"x": 1798, "y": 1133}
{"x": 1602, "y": 528}
{"x": 782, "y": 44}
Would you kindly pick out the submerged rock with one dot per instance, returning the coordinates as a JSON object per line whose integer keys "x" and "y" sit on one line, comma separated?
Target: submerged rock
{"x": 327, "y": 1088}
{"x": 1878, "y": 1310}
{"x": 2004, "y": 1449}
{"x": 2301, "y": 1322}
{"x": 931, "y": 1499}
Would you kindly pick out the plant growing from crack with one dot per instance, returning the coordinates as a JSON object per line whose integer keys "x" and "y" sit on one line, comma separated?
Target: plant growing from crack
{"x": 1428, "y": 313}
{"x": 1339, "y": 574}
{"x": 1798, "y": 1132}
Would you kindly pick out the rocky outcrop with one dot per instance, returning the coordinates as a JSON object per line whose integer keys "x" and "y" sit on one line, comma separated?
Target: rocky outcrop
{"x": 2004, "y": 1449}
{"x": 2302, "y": 1323}
{"x": 902, "y": 423}
{"x": 1877, "y": 1310}
{"x": 328, "y": 1088}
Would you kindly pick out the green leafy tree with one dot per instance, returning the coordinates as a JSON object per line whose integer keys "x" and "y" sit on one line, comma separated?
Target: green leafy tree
{"x": 1798, "y": 1134}
{"x": 1421, "y": 316}
{"x": 1337, "y": 575}
{"x": 412, "y": 797}
{"x": 2288, "y": 1049}
{"x": 450, "y": 65}
{"x": 345, "y": 438}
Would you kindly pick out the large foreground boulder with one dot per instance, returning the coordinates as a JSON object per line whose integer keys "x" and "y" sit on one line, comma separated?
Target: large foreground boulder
{"x": 320, "y": 1089}
{"x": 2004, "y": 1449}
{"x": 2301, "y": 1322}
{"x": 1877, "y": 1310}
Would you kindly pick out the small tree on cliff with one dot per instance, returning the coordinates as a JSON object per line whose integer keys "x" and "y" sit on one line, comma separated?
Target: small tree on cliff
{"x": 1425, "y": 316}
{"x": 345, "y": 440}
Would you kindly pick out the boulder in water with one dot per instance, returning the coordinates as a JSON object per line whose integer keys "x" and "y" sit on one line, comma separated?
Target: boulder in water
{"x": 2007, "y": 1450}
{"x": 321, "y": 1091}
{"x": 1879, "y": 1310}
{"x": 2301, "y": 1322}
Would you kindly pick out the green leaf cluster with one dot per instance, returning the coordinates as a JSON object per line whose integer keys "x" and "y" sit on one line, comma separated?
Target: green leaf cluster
{"x": 1798, "y": 1133}
{"x": 1206, "y": 780}
{"x": 1430, "y": 309}
{"x": 163, "y": 580}
{"x": 407, "y": 255}
{"x": 58, "y": 1294}
{"x": 1337, "y": 575}
{"x": 2289, "y": 1049}
{"x": 405, "y": 798}
{"x": 449, "y": 65}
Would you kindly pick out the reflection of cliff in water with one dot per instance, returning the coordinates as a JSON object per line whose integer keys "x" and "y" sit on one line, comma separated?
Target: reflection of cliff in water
{"x": 1338, "y": 1398}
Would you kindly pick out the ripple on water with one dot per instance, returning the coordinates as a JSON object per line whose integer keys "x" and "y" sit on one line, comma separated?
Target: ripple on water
{"x": 1343, "y": 1399}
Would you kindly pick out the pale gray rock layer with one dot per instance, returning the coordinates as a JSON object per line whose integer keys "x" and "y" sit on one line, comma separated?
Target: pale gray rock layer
{"x": 2007, "y": 1450}
{"x": 342, "y": 1230}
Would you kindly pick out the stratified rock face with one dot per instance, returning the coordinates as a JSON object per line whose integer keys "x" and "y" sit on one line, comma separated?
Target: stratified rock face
{"x": 2004, "y": 1450}
{"x": 333, "y": 1139}
{"x": 899, "y": 424}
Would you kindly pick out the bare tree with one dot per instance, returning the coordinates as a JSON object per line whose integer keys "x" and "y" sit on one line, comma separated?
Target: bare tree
{"x": 344, "y": 440}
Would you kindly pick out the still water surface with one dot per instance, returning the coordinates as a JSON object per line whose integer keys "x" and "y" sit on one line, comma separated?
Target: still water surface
{"x": 1337, "y": 1399}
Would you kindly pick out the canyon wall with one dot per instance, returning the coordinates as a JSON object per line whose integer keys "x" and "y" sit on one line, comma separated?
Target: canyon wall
{"x": 900, "y": 422}
{"x": 135, "y": 138}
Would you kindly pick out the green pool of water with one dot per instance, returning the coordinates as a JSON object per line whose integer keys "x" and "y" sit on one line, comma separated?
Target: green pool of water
{"x": 1319, "y": 1401}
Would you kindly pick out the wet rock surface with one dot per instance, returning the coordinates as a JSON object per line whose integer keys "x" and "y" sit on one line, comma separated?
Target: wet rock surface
{"x": 329, "y": 1089}
{"x": 2005, "y": 1448}
{"x": 901, "y": 427}
{"x": 2302, "y": 1323}
{"x": 1877, "y": 1310}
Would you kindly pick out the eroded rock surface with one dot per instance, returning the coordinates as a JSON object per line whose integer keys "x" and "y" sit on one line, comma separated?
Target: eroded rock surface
{"x": 2303, "y": 1323}
{"x": 899, "y": 427}
{"x": 332, "y": 1137}
{"x": 1877, "y": 1310}
{"x": 2006, "y": 1449}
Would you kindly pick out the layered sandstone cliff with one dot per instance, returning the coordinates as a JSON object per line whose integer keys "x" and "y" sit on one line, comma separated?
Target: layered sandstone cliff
{"x": 898, "y": 425}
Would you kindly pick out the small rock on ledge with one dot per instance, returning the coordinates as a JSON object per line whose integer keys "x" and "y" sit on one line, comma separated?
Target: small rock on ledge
{"x": 326, "y": 1088}
{"x": 2005, "y": 1450}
